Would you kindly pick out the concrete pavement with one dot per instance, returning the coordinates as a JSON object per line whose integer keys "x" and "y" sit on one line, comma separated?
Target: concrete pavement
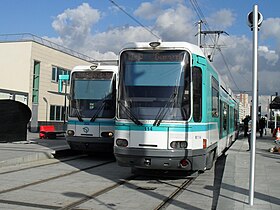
{"x": 234, "y": 190}
{"x": 31, "y": 150}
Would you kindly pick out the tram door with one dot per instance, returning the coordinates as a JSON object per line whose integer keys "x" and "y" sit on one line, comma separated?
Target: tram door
{"x": 224, "y": 120}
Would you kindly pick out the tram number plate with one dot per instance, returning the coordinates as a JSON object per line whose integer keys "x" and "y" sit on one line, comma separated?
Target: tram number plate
{"x": 148, "y": 128}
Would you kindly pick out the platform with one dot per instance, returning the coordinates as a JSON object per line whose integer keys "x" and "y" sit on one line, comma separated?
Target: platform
{"x": 234, "y": 189}
{"x": 33, "y": 149}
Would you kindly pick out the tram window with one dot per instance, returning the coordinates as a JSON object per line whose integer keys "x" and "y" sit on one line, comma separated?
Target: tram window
{"x": 197, "y": 94}
{"x": 235, "y": 119}
{"x": 215, "y": 97}
{"x": 225, "y": 117}
{"x": 186, "y": 94}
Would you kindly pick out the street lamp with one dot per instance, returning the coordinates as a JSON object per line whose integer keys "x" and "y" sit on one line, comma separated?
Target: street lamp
{"x": 254, "y": 19}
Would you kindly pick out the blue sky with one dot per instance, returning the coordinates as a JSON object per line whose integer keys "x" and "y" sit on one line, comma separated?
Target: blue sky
{"x": 33, "y": 16}
{"x": 99, "y": 29}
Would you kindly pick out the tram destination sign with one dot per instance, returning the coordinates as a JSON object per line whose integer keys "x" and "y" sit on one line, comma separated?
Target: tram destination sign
{"x": 156, "y": 56}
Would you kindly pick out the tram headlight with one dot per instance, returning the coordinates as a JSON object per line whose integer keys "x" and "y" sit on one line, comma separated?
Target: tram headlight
{"x": 107, "y": 134}
{"x": 154, "y": 44}
{"x": 179, "y": 144}
{"x": 70, "y": 132}
{"x": 122, "y": 142}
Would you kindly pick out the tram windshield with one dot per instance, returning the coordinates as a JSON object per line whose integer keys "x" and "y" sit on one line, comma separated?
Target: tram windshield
{"x": 154, "y": 85}
{"x": 92, "y": 95}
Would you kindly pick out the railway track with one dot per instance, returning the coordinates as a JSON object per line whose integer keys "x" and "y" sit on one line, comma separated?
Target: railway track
{"x": 102, "y": 184}
{"x": 54, "y": 177}
{"x": 175, "y": 194}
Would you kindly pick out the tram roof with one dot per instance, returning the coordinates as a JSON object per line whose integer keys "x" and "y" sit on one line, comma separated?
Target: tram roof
{"x": 97, "y": 66}
{"x": 166, "y": 45}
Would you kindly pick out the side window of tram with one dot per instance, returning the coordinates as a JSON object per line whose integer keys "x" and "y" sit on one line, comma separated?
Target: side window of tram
{"x": 225, "y": 117}
{"x": 215, "y": 97}
{"x": 197, "y": 94}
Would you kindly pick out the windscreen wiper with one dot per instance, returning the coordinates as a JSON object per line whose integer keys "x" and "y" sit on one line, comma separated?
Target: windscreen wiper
{"x": 163, "y": 110}
{"x": 79, "y": 116}
{"x": 129, "y": 113}
{"x": 98, "y": 111}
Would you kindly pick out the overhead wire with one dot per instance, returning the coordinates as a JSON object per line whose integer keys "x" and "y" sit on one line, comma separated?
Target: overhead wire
{"x": 133, "y": 18}
{"x": 227, "y": 67}
{"x": 201, "y": 16}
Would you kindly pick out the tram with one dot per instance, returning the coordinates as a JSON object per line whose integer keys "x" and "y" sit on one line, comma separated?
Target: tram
{"x": 90, "y": 126}
{"x": 173, "y": 112}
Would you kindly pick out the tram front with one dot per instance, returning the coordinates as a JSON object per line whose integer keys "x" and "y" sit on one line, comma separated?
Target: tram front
{"x": 153, "y": 107}
{"x": 90, "y": 126}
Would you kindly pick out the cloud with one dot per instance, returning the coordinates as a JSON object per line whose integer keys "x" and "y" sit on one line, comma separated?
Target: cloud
{"x": 271, "y": 28}
{"x": 270, "y": 55}
{"x": 74, "y": 25}
{"x": 172, "y": 24}
{"x": 222, "y": 19}
{"x": 114, "y": 39}
{"x": 147, "y": 10}
{"x": 237, "y": 61}
{"x": 172, "y": 20}
{"x": 150, "y": 10}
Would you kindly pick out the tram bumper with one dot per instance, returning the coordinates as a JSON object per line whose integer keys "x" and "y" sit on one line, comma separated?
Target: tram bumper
{"x": 161, "y": 159}
{"x": 91, "y": 144}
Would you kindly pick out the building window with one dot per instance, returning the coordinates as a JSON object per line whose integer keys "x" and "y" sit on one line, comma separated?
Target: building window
{"x": 57, "y": 113}
{"x": 36, "y": 78}
{"x": 56, "y": 71}
{"x": 215, "y": 97}
{"x": 197, "y": 94}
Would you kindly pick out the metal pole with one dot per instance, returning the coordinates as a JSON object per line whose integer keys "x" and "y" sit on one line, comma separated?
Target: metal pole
{"x": 199, "y": 34}
{"x": 275, "y": 120}
{"x": 47, "y": 106}
{"x": 47, "y": 113}
{"x": 254, "y": 105}
{"x": 64, "y": 120}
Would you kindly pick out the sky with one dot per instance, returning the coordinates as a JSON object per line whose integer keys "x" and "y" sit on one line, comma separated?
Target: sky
{"x": 99, "y": 29}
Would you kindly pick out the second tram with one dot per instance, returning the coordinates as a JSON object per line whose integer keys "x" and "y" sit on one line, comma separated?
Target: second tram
{"x": 173, "y": 110}
{"x": 90, "y": 126}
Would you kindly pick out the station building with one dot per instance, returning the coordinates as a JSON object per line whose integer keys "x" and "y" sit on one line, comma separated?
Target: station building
{"x": 30, "y": 68}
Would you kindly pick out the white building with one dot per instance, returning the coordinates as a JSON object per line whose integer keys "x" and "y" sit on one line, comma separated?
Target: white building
{"x": 244, "y": 106}
{"x": 29, "y": 73}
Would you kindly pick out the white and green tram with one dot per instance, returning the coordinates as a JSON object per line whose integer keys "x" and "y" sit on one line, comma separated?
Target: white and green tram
{"x": 91, "y": 120}
{"x": 173, "y": 111}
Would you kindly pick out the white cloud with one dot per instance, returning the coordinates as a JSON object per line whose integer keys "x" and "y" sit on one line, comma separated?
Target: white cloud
{"x": 222, "y": 19}
{"x": 238, "y": 56}
{"x": 270, "y": 55}
{"x": 271, "y": 28}
{"x": 147, "y": 10}
{"x": 150, "y": 10}
{"x": 74, "y": 25}
{"x": 173, "y": 21}
{"x": 114, "y": 39}
{"x": 177, "y": 24}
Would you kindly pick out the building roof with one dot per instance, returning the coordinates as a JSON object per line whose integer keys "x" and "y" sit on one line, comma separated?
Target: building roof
{"x": 31, "y": 37}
